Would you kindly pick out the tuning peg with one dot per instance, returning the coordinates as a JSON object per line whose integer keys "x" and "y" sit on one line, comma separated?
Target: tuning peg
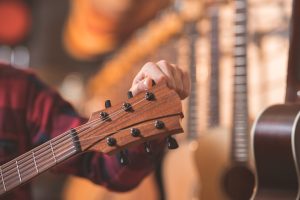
{"x": 103, "y": 115}
{"x": 111, "y": 141}
{"x": 123, "y": 158}
{"x": 126, "y": 106}
{"x": 107, "y": 104}
{"x": 153, "y": 83}
{"x": 135, "y": 132}
{"x": 149, "y": 96}
{"x": 159, "y": 124}
{"x": 172, "y": 143}
{"x": 147, "y": 147}
{"x": 129, "y": 94}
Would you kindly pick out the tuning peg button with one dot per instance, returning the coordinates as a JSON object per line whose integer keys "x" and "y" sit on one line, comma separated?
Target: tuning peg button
{"x": 103, "y": 115}
{"x": 123, "y": 158}
{"x": 172, "y": 143}
{"x": 111, "y": 141}
{"x": 126, "y": 106}
{"x": 107, "y": 104}
{"x": 153, "y": 83}
{"x": 149, "y": 96}
{"x": 129, "y": 94}
{"x": 159, "y": 124}
{"x": 135, "y": 132}
{"x": 147, "y": 147}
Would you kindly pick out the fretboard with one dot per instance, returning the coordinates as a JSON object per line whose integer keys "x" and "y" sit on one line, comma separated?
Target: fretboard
{"x": 214, "y": 75}
{"x": 240, "y": 108}
{"x": 192, "y": 117}
{"x": 38, "y": 160}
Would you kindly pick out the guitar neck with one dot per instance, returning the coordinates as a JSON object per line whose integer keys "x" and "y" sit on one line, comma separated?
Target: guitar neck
{"x": 146, "y": 116}
{"x": 214, "y": 116}
{"x": 192, "y": 104}
{"x": 293, "y": 78}
{"x": 240, "y": 108}
{"x": 38, "y": 160}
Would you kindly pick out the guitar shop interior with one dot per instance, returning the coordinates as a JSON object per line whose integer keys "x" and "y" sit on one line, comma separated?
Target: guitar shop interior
{"x": 236, "y": 132}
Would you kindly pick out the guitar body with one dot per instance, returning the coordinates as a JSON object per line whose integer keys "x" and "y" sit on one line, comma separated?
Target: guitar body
{"x": 91, "y": 191}
{"x": 217, "y": 182}
{"x": 212, "y": 157}
{"x": 238, "y": 182}
{"x": 180, "y": 174}
{"x": 276, "y": 144}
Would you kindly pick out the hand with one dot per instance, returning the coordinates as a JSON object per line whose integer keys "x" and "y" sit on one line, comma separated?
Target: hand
{"x": 162, "y": 71}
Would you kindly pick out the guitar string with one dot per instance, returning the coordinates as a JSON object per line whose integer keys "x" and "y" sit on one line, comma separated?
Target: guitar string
{"x": 62, "y": 146}
{"x": 29, "y": 169}
{"x": 83, "y": 128}
{"x": 63, "y": 135}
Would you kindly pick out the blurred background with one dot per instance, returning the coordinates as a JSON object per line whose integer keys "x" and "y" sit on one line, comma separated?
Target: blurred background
{"x": 90, "y": 51}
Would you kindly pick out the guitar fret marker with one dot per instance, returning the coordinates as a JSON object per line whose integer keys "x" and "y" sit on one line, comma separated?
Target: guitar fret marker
{"x": 53, "y": 154}
{"x": 37, "y": 170}
{"x": 18, "y": 171}
{"x": 2, "y": 179}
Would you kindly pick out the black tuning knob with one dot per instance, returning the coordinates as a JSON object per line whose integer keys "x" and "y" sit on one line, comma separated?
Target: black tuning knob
{"x": 129, "y": 94}
{"x": 111, "y": 141}
{"x": 104, "y": 115}
{"x": 172, "y": 143}
{"x": 149, "y": 96}
{"x": 123, "y": 158}
{"x": 135, "y": 132}
{"x": 107, "y": 104}
{"x": 126, "y": 107}
{"x": 147, "y": 147}
{"x": 153, "y": 83}
{"x": 159, "y": 124}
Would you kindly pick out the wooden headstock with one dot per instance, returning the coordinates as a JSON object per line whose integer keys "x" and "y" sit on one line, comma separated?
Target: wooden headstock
{"x": 151, "y": 114}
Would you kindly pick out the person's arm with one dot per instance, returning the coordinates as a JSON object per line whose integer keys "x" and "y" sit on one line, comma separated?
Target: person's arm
{"x": 49, "y": 115}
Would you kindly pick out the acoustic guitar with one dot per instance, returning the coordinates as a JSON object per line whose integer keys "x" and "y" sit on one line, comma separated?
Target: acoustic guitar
{"x": 275, "y": 134}
{"x": 182, "y": 160}
{"x": 224, "y": 170}
{"x": 154, "y": 114}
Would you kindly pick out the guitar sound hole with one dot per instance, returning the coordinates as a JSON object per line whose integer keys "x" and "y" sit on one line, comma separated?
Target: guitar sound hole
{"x": 239, "y": 183}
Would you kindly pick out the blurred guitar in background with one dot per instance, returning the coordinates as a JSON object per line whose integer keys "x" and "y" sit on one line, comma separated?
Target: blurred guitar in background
{"x": 223, "y": 159}
{"x": 115, "y": 75}
{"x": 105, "y": 25}
{"x": 276, "y": 133}
{"x": 180, "y": 175}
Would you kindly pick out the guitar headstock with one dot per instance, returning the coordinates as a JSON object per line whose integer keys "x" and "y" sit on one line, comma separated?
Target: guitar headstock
{"x": 151, "y": 114}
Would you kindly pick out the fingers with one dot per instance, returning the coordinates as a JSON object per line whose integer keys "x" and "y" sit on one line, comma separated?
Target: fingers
{"x": 150, "y": 70}
{"x": 162, "y": 71}
{"x": 186, "y": 83}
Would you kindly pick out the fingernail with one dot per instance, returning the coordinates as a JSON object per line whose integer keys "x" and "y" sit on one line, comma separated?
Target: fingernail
{"x": 146, "y": 83}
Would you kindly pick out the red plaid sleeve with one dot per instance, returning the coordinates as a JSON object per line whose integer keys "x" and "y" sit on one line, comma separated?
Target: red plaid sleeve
{"x": 48, "y": 115}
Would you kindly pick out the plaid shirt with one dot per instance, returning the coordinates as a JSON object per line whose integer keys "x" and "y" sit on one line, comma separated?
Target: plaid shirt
{"x": 32, "y": 113}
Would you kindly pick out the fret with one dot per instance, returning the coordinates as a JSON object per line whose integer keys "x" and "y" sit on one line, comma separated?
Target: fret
{"x": 240, "y": 88}
{"x": 240, "y": 5}
{"x": 240, "y": 80}
{"x": 240, "y": 40}
{"x": 240, "y": 63}
{"x": 35, "y": 164}
{"x": 18, "y": 170}
{"x": 4, "y": 186}
{"x": 240, "y": 18}
{"x": 240, "y": 51}
{"x": 239, "y": 29}
{"x": 53, "y": 154}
